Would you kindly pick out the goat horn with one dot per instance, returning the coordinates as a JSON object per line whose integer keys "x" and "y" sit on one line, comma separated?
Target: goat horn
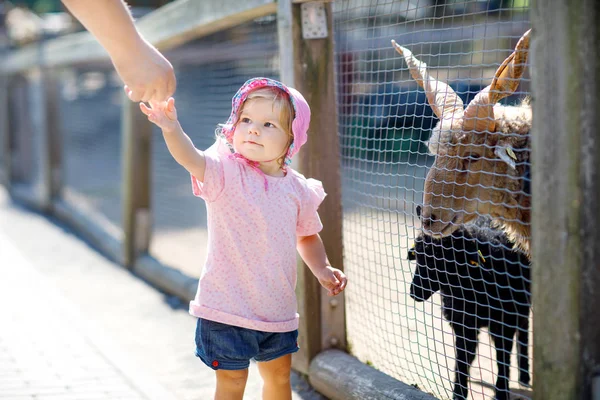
{"x": 479, "y": 114}
{"x": 444, "y": 102}
{"x": 508, "y": 75}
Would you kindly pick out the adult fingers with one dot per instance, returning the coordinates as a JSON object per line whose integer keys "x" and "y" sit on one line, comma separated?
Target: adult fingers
{"x": 160, "y": 94}
{"x": 149, "y": 94}
{"x": 134, "y": 95}
{"x": 171, "y": 85}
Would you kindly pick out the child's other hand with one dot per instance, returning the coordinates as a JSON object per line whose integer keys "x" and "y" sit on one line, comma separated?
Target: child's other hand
{"x": 333, "y": 280}
{"x": 163, "y": 114}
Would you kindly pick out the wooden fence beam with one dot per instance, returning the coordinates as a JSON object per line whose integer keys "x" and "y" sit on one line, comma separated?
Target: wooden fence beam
{"x": 4, "y": 133}
{"x": 322, "y": 318}
{"x": 166, "y": 28}
{"x": 566, "y": 198}
{"x": 136, "y": 182}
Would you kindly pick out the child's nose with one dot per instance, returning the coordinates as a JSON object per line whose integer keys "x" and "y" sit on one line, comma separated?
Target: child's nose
{"x": 254, "y": 130}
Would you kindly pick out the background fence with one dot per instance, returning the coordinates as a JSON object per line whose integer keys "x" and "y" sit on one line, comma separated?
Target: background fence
{"x": 90, "y": 159}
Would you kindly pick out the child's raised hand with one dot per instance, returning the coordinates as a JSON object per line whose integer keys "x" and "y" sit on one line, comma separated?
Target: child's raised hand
{"x": 163, "y": 114}
{"x": 333, "y": 280}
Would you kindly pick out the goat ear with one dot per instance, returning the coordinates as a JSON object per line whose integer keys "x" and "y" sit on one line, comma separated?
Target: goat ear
{"x": 479, "y": 114}
{"x": 506, "y": 154}
{"x": 412, "y": 254}
{"x": 443, "y": 100}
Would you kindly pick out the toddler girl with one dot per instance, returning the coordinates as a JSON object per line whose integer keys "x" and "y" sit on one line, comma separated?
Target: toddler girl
{"x": 260, "y": 211}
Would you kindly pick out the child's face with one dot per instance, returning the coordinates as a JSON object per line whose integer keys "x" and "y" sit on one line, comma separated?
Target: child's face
{"x": 259, "y": 134}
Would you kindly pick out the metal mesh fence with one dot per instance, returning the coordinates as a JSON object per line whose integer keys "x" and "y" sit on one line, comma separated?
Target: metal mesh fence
{"x": 90, "y": 119}
{"x": 385, "y": 121}
{"x": 209, "y": 72}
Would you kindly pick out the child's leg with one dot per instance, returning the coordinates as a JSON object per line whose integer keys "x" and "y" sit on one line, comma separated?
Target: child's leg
{"x": 276, "y": 377}
{"x": 231, "y": 384}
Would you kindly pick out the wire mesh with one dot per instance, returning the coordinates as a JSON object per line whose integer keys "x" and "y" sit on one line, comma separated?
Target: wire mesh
{"x": 385, "y": 121}
{"x": 209, "y": 71}
{"x": 90, "y": 119}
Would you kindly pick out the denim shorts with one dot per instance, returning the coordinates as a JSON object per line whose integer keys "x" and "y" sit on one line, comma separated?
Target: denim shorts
{"x": 222, "y": 346}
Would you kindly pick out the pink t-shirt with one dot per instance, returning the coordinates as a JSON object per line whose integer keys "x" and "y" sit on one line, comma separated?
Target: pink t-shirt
{"x": 250, "y": 272}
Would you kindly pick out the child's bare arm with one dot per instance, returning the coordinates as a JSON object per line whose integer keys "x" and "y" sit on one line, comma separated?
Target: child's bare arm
{"x": 312, "y": 251}
{"x": 164, "y": 115}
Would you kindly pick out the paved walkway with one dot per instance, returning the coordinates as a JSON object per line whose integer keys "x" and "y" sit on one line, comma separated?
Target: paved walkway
{"x": 74, "y": 325}
{"x": 47, "y": 351}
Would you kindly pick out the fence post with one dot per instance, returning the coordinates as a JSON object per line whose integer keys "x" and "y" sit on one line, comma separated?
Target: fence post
{"x": 566, "y": 198}
{"x": 54, "y": 132}
{"x": 322, "y": 321}
{"x": 4, "y": 133}
{"x": 20, "y": 133}
{"x": 43, "y": 103}
{"x": 136, "y": 193}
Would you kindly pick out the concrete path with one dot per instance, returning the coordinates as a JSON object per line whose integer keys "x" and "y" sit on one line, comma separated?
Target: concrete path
{"x": 74, "y": 325}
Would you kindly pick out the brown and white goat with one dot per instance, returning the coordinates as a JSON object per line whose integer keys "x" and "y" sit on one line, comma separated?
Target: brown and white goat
{"x": 481, "y": 152}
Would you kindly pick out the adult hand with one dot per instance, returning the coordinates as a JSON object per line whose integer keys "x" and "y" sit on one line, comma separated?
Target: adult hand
{"x": 147, "y": 74}
{"x": 144, "y": 70}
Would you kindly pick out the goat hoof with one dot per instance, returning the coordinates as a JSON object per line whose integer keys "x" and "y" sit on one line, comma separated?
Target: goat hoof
{"x": 524, "y": 380}
{"x": 502, "y": 395}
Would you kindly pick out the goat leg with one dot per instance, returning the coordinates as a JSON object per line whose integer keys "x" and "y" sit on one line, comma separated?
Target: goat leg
{"x": 522, "y": 347}
{"x": 466, "y": 346}
{"x": 503, "y": 340}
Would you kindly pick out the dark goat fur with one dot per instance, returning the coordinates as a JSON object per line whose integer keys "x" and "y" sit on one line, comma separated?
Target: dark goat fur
{"x": 483, "y": 283}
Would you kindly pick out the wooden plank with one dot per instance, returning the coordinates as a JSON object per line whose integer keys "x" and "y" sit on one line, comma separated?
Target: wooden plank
{"x": 168, "y": 279}
{"x": 45, "y": 121}
{"x": 340, "y": 376}
{"x": 566, "y": 198}
{"x": 53, "y": 132}
{"x": 39, "y": 139}
{"x": 28, "y": 195}
{"x": 182, "y": 21}
{"x": 90, "y": 224}
{"x": 20, "y": 134}
{"x": 323, "y": 321}
{"x": 285, "y": 37}
{"x": 166, "y": 28}
{"x": 136, "y": 184}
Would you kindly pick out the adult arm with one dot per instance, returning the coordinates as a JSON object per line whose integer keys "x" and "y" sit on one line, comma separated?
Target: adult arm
{"x": 147, "y": 74}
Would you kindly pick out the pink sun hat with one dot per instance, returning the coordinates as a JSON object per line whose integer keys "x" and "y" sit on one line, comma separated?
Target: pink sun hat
{"x": 301, "y": 112}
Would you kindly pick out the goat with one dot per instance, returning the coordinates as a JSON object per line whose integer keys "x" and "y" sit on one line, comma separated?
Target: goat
{"x": 484, "y": 282}
{"x": 481, "y": 152}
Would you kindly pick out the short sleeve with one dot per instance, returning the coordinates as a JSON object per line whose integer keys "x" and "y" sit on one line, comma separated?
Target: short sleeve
{"x": 309, "y": 222}
{"x": 214, "y": 177}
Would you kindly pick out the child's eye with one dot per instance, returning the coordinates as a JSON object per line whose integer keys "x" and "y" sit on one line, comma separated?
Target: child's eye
{"x": 269, "y": 125}
{"x": 245, "y": 120}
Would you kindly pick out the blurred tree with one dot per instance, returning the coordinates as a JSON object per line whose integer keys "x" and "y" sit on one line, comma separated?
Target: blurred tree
{"x": 40, "y": 6}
